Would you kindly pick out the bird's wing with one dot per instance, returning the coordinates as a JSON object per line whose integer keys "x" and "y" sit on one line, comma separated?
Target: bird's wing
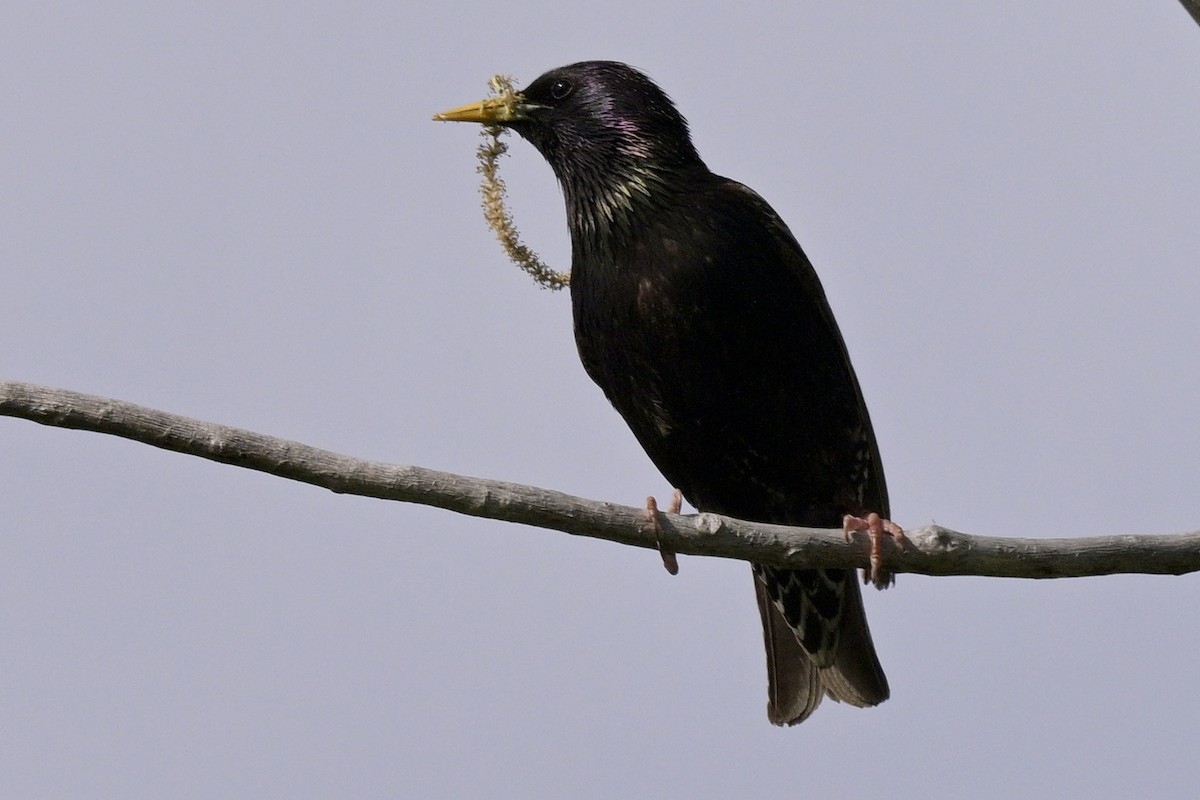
{"x": 874, "y": 496}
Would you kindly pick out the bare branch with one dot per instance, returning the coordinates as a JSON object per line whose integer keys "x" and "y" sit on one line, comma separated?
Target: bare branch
{"x": 1193, "y": 8}
{"x": 932, "y": 550}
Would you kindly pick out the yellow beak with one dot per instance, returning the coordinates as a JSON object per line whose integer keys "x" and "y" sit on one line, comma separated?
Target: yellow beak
{"x": 493, "y": 111}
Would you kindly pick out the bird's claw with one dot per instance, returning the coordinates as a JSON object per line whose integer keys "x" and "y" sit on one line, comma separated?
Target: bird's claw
{"x": 877, "y": 528}
{"x": 669, "y": 559}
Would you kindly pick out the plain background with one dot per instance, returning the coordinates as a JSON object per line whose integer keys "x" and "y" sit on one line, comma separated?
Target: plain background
{"x": 243, "y": 213}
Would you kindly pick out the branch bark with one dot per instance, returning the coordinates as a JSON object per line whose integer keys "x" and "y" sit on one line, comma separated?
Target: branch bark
{"x": 931, "y": 550}
{"x": 1193, "y": 8}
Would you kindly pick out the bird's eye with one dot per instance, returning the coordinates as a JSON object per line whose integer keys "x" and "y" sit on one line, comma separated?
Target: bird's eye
{"x": 561, "y": 88}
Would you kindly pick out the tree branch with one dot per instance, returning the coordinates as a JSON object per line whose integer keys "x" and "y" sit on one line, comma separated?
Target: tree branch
{"x": 931, "y": 550}
{"x": 1193, "y": 8}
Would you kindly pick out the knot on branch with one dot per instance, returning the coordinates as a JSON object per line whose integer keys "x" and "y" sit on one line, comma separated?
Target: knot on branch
{"x": 936, "y": 539}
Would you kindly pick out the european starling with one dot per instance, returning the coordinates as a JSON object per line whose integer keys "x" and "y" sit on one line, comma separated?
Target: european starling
{"x": 698, "y": 314}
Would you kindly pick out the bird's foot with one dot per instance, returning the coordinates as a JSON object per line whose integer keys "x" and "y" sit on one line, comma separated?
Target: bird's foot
{"x": 670, "y": 562}
{"x": 877, "y": 528}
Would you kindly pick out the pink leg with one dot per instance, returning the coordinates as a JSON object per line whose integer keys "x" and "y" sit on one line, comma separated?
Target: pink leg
{"x": 670, "y": 562}
{"x": 877, "y": 528}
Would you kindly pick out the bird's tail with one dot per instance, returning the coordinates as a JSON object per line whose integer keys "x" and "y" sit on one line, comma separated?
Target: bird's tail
{"x": 856, "y": 676}
{"x": 817, "y": 642}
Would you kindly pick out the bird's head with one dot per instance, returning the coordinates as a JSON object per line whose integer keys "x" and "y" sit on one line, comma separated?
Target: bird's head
{"x": 613, "y": 138}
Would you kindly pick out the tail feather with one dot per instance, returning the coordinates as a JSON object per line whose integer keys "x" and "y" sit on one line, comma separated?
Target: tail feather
{"x": 794, "y": 687}
{"x": 795, "y": 683}
{"x": 856, "y": 676}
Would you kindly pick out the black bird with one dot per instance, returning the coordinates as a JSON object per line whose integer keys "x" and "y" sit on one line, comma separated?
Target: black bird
{"x": 698, "y": 314}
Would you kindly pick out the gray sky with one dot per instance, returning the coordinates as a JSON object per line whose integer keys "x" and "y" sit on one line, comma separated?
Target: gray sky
{"x": 244, "y": 214}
